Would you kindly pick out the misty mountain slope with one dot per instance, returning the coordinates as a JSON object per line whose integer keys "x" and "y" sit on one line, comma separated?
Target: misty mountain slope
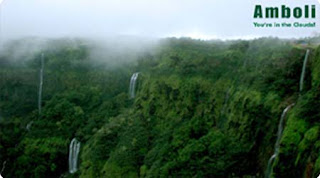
{"x": 202, "y": 109}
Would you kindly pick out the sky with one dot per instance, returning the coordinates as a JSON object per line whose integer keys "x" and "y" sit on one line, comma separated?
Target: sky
{"x": 200, "y": 19}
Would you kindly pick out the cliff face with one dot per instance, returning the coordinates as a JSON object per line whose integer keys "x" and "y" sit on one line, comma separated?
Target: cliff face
{"x": 300, "y": 143}
{"x": 201, "y": 109}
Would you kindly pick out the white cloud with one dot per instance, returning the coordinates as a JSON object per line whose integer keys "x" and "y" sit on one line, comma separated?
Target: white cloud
{"x": 153, "y": 18}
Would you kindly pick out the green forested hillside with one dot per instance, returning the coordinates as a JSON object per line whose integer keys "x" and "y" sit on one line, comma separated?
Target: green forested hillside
{"x": 202, "y": 109}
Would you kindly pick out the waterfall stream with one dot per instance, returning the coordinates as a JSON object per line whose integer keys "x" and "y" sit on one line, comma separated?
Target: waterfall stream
{"x": 39, "y": 91}
{"x": 283, "y": 115}
{"x": 3, "y": 167}
{"x": 40, "y": 84}
{"x": 303, "y": 72}
{"x": 277, "y": 145}
{"x": 29, "y": 125}
{"x": 74, "y": 150}
{"x": 132, "y": 86}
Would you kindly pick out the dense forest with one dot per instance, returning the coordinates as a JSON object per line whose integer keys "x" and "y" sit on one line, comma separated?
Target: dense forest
{"x": 199, "y": 108}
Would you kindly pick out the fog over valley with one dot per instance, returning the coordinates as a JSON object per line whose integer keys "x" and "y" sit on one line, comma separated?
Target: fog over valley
{"x": 142, "y": 18}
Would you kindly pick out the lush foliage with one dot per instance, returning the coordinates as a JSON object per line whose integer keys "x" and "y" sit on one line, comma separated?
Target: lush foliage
{"x": 202, "y": 109}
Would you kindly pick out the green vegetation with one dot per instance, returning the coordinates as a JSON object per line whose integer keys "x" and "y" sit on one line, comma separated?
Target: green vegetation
{"x": 202, "y": 109}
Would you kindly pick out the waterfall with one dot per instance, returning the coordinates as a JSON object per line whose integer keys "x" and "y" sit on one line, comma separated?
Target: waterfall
{"x": 283, "y": 115}
{"x": 29, "y": 125}
{"x": 40, "y": 90}
{"x": 304, "y": 70}
{"x": 3, "y": 167}
{"x": 132, "y": 86}
{"x": 74, "y": 150}
{"x": 277, "y": 145}
{"x": 40, "y": 83}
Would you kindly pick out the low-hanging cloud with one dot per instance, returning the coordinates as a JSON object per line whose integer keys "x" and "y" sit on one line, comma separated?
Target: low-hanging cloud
{"x": 145, "y": 18}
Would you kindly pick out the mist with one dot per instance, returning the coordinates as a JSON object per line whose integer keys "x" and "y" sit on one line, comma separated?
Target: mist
{"x": 118, "y": 32}
{"x": 98, "y": 52}
{"x": 217, "y": 19}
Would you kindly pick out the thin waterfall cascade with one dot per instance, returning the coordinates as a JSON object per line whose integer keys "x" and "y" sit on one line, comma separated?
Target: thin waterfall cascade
{"x": 133, "y": 83}
{"x": 277, "y": 145}
{"x": 40, "y": 84}
{"x": 303, "y": 72}
{"x": 29, "y": 125}
{"x": 3, "y": 167}
{"x": 283, "y": 115}
{"x": 74, "y": 150}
